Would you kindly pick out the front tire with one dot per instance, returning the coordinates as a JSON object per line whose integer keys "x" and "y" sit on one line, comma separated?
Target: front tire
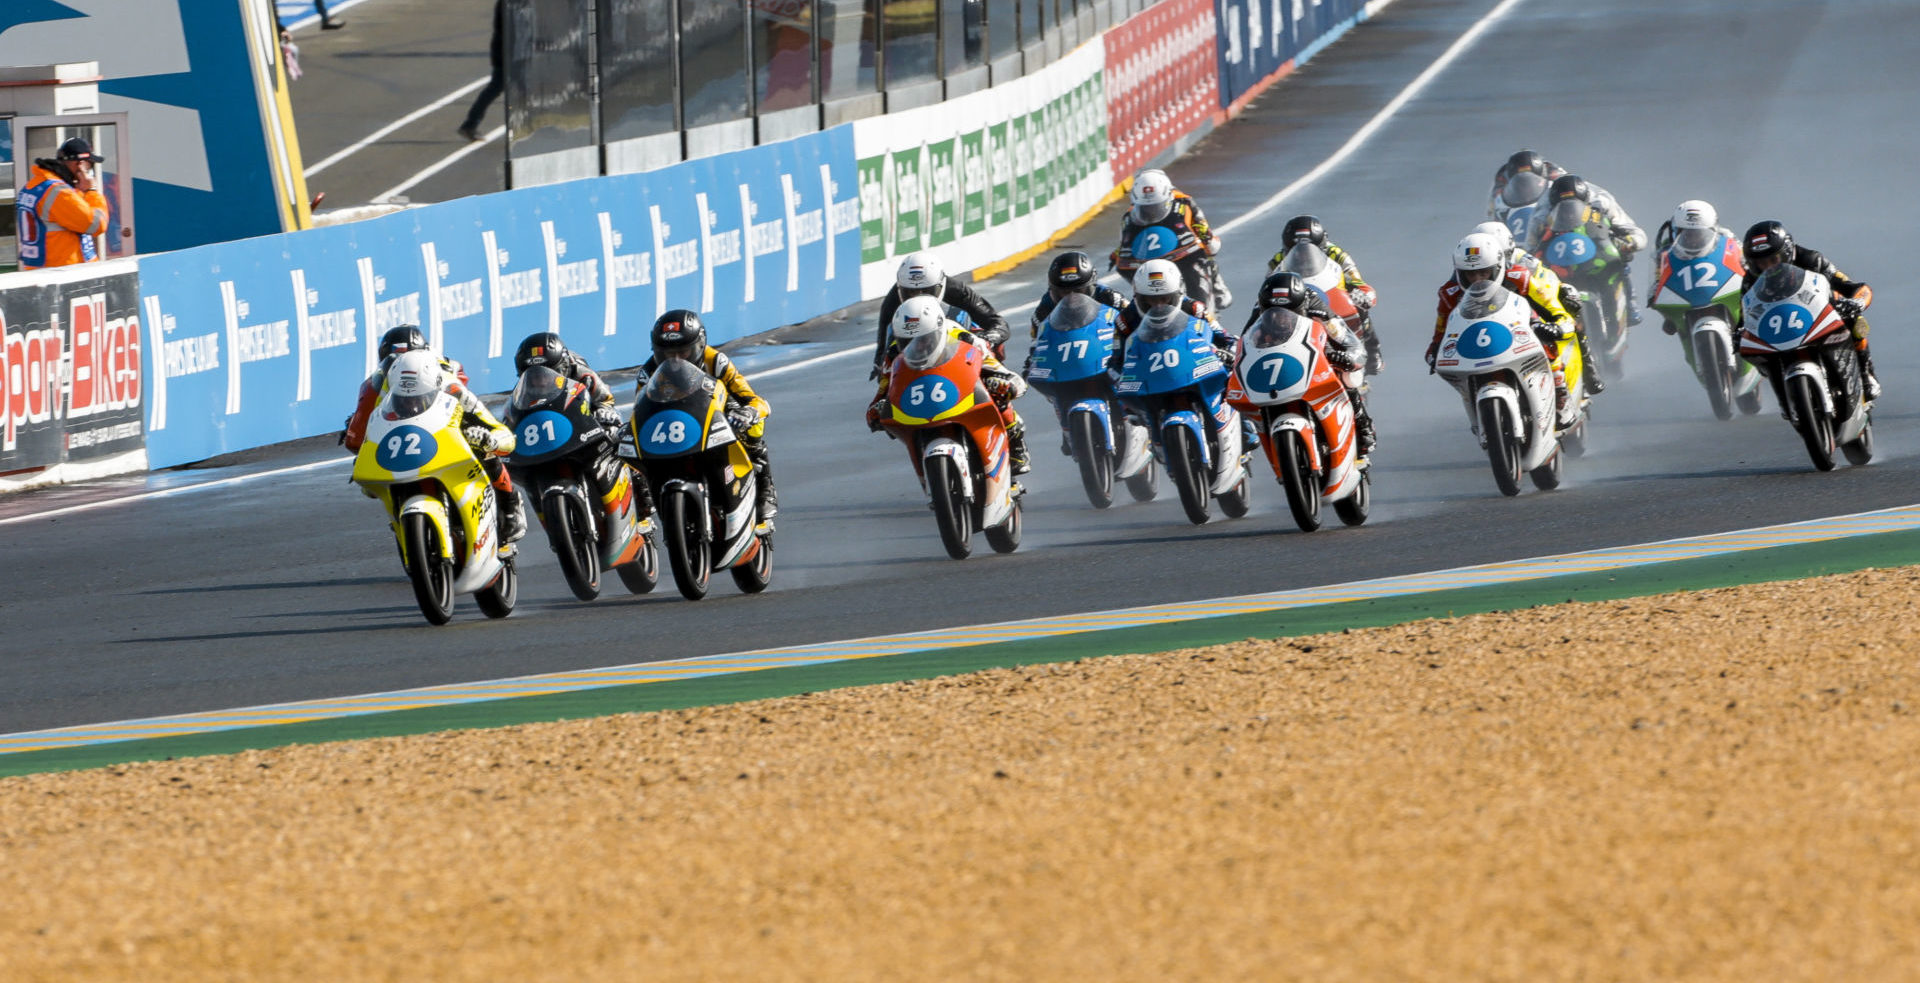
{"x": 1189, "y": 473}
{"x": 568, "y": 532}
{"x": 1095, "y": 459}
{"x": 1503, "y": 445}
{"x": 1816, "y": 427}
{"x": 689, "y": 554}
{"x": 1716, "y": 376}
{"x": 951, "y": 510}
{"x": 432, "y": 576}
{"x": 1300, "y": 480}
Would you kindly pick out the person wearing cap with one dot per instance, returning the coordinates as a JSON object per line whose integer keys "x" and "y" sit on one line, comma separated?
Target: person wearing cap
{"x": 60, "y": 210}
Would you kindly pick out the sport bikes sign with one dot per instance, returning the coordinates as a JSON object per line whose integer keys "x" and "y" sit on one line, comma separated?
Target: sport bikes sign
{"x": 70, "y": 379}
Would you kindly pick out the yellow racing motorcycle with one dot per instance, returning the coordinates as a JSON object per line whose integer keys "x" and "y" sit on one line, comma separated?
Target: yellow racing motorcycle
{"x": 439, "y": 501}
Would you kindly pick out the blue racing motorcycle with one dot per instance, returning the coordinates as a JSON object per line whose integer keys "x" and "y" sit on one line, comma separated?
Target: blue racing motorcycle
{"x": 1172, "y": 376}
{"x": 1068, "y": 365}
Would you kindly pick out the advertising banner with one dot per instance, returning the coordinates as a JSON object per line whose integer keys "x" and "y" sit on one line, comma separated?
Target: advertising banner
{"x": 70, "y": 370}
{"x": 984, "y": 176}
{"x": 1161, "y": 80}
{"x": 1261, "y": 38}
{"x": 266, "y": 340}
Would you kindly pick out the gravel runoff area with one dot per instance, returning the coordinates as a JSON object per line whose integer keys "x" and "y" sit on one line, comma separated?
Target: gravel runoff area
{"x": 1711, "y": 786}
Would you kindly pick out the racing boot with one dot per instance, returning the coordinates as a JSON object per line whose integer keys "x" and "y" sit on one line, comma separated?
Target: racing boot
{"x": 1867, "y": 378}
{"x": 1017, "y": 448}
{"x": 1374, "y": 362}
{"x": 1363, "y": 434}
{"x": 1249, "y": 433}
{"x": 1222, "y": 297}
{"x": 513, "y": 514}
{"x": 763, "y": 466}
{"x": 1589, "y": 371}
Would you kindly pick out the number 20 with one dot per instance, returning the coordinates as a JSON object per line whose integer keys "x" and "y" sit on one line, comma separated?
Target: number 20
{"x": 1167, "y": 359}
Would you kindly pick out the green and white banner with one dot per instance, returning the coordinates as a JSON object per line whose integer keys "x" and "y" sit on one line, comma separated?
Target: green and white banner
{"x": 985, "y": 176}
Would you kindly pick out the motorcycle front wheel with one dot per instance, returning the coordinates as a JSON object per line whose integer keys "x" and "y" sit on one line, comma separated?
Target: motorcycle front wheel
{"x": 1816, "y": 427}
{"x": 1713, "y": 358}
{"x": 1189, "y": 473}
{"x": 951, "y": 510}
{"x": 432, "y": 576}
{"x": 1301, "y": 481}
{"x": 569, "y": 532}
{"x": 1503, "y": 445}
{"x": 1096, "y": 461}
{"x": 687, "y": 552}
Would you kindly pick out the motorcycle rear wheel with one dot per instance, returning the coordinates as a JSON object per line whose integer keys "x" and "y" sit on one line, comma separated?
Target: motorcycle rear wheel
{"x": 1816, "y": 428}
{"x": 1859, "y": 450}
{"x": 1503, "y": 446}
{"x": 1546, "y": 477}
{"x": 1005, "y": 537}
{"x": 1353, "y": 509}
{"x": 752, "y": 577}
{"x": 642, "y": 574}
{"x": 496, "y": 600}
{"x": 951, "y": 511}
{"x": 1095, "y": 459}
{"x": 432, "y": 576}
{"x": 568, "y": 533}
{"x": 1189, "y": 473}
{"x": 1145, "y": 486}
{"x": 689, "y": 554}
{"x": 1300, "y": 480}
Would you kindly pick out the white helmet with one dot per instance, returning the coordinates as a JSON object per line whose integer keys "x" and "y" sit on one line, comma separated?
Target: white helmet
{"x": 1502, "y": 234}
{"x": 1477, "y": 252}
{"x": 414, "y": 381}
{"x": 1158, "y": 278}
{"x": 921, "y": 274}
{"x": 1152, "y": 196}
{"x": 916, "y": 317}
{"x": 1695, "y": 228}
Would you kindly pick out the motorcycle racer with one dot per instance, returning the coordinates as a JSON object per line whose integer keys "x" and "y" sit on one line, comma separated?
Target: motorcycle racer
{"x": 921, "y": 274}
{"x": 1694, "y": 231}
{"x": 1156, "y": 285}
{"x": 547, "y": 349}
{"x": 1479, "y": 257}
{"x": 1072, "y": 273}
{"x": 1156, "y": 201}
{"x": 1768, "y": 244}
{"x": 1626, "y": 234}
{"x": 924, "y": 315}
{"x": 1307, "y": 228}
{"x": 1521, "y": 162}
{"x": 1286, "y": 289}
{"x": 680, "y": 334}
{"x": 419, "y": 372}
{"x": 1549, "y": 280}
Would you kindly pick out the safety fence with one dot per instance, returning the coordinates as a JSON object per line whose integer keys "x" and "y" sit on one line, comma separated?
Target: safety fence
{"x": 260, "y": 341}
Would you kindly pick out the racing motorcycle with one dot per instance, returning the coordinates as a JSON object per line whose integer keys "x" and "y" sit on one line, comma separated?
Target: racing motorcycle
{"x": 1306, "y": 422}
{"x": 1182, "y": 249}
{"x": 1505, "y": 375}
{"x": 557, "y": 445}
{"x": 1700, "y": 296}
{"x": 439, "y": 503}
{"x": 1068, "y": 365}
{"x": 1796, "y": 337}
{"x": 1327, "y": 279}
{"x": 1578, "y": 246}
{"x": 705, "y": 489}
{"x": 1172, "y": 378}
{"x": 938, "y": 405}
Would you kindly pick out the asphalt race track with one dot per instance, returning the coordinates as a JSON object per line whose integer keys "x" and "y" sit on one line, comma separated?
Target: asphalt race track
{"x": 288, "y": 587}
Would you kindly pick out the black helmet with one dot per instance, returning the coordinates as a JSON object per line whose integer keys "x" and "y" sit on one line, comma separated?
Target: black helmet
{"x": 679, "y": 334}
{"x": 1072, "y": 272}
{"x": 1304, "y": 228}
{"x": 1570, "y": 187}
{"x": 544, "y": 348}
{"x": 1526, "y": 162}
{"x": 1283, "y": 289}
{"x": 1765, "y": 239}
{"x": 405, "y": 338}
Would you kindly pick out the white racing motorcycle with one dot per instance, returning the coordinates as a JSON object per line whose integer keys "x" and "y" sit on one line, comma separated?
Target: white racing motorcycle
{"x": 1796, "y": 337}
{"x": 1505, "y": 375}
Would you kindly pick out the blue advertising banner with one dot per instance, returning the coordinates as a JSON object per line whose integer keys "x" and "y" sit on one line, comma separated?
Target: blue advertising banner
{"x": 1258, "y": 38}
{"x": 266, "y": 340}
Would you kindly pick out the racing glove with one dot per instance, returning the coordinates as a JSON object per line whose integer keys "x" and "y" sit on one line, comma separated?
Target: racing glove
{"x": 742, "y": 418}
{"x": 608, "y": 418}
{"x": 1364, "y": 298}
{"x": 479, "y": 438}
{"x": 1848, "y": 307}
{"x": 876, "y": 412}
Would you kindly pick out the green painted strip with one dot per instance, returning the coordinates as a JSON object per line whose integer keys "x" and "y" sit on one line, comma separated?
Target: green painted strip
{"x": 1755, "y": 566}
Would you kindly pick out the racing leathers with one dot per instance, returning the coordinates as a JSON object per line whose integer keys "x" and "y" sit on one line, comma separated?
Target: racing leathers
{"x": 1194, "y": 243}
{"x": 1347, "y": 353}
{"x": 1541, "y": 289}
{"x": 742, "y": 402}
{"x": 1357, "y": 288}
{"x": 988, "y": 325}
{"x": 1001, "y": 383}
{"x": 1854, "y": 296}
{"x": 490, "y": 440}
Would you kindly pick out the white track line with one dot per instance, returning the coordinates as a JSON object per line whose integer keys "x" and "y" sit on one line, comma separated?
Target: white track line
{"x": 1387, "y": 112}
{"x": 383, "y": 132}
{"x": 168, "y": 492}
{"x": 444, "y": 163}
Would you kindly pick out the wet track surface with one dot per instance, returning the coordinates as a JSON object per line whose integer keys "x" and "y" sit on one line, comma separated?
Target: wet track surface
{"x": 288, "y": 587}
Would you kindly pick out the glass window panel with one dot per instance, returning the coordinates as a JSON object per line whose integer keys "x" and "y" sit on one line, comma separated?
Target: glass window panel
{"x": 912, "y": 30}
{"x": 636, "y": 68}
{"x": 847, "y": 30}
{"x": 1003, "y": 31}
{"x": 1029, "y": 21}
{"x": 962, "y": 34}
{"x": 713, "y": 61}
{"x": 548, "y": 104}
{"x": 782, "y": 54}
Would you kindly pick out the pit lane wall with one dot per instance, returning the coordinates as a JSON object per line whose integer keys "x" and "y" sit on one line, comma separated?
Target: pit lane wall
{"x": 261, "y": 341}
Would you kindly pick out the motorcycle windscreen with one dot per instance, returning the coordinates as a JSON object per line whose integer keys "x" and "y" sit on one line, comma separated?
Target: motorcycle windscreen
{"x": 1157, "y": 328}
{"x": 1695, "y": 243}
{"x": 1075, "y": 311}
{"x": 676, "y": 379}
{"x": 539, "y": 386}
{"x": 1523, "y": 189}
{"x": 1568, "y": 216}
{"x": 1780, "y": 283}
{"x": 1306, "y": 259}
{"x": 1484, "y": 300}
{"x": 928, "y": 350}
{"x": 1276, "y": 327}
{"x": 408, "y": 407}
